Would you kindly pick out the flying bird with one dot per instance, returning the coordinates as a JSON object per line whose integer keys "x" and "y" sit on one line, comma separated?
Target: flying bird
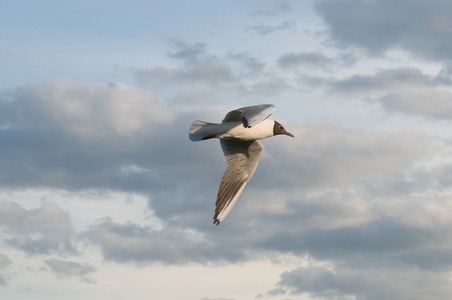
{"x": 239, "y": 133}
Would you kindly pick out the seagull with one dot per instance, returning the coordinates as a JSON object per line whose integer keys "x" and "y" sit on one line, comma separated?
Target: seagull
{"x": 239, "y": 133}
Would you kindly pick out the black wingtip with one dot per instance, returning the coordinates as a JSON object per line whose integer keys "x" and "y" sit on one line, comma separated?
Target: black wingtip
{"x": 245, "y": 122}
{"x": 216, "y": 222}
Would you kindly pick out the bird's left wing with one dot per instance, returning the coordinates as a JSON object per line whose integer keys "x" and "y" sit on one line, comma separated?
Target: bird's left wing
{"x": 241, "y": 159}
{"x": 250, "y": 115}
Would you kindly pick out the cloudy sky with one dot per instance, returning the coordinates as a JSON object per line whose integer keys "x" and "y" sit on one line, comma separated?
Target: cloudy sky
{"x": 103, "y": 196}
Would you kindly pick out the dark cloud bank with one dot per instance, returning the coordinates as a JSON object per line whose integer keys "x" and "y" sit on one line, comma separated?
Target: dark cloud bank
{"x": 327, "y": 197}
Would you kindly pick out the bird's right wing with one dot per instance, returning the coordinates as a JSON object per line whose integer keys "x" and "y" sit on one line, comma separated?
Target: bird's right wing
{"x": 250, "y": 115}
{"x": 241, "y": 159}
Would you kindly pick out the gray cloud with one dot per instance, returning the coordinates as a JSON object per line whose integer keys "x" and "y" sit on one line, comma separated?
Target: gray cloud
{"x": 4, "y": 263}
{"x": 198, "y": 68}
{"x": 383, "y": 81}
{"x": 445, "y": 74}
{"x": 328, "y": 193}
{"x": 85, "y": 111}
{"x": 38, "y": 231}
{"x": 430, "y": 104}
{"x": 41, "y": 151}
{"x": 385, "y": 237}
{"x": 386, "y": 282}
{"x": 406, "y": 90}
{"x": 209, "y": 71}
{"x": 186, "y": 51}
{"x": 141, "y": 244}
{"x": 65, "y": 269}
{"x": 227, "y": 75}
{"x": 419, "y": 27}
{"x": 305, "y": 59}
{"x": 321, "y": 153}
{"x": 436, "y": 260}
{"x": 405, "y": 243}
{"x": 71, "y": 135}
{"x": 248, "y": 64}
{"x": 133, "y": 161}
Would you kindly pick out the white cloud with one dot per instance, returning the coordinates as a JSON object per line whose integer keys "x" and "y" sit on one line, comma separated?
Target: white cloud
{"x": 88, "y": 110}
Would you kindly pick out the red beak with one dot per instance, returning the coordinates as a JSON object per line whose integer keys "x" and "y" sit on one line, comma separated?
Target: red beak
{"x": 289, "y": 134}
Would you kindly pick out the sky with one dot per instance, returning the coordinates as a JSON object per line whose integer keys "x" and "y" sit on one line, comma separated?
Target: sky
{"x": 103, "y": 196}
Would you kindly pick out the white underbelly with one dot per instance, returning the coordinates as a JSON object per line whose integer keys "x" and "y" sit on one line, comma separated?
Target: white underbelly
{"x": 235, "y": 130}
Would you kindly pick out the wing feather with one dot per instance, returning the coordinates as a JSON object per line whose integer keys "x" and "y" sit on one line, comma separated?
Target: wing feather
{"x": 241, "y": 160}
{"x": 250, "y": 115}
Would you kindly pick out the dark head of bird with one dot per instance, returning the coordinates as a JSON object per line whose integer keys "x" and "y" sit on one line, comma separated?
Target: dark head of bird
{"x": 279, "y": 129}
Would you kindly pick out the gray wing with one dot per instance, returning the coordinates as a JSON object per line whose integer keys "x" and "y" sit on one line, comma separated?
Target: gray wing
{"x": 250, "y": 115}
{"x": 241, "y": 159}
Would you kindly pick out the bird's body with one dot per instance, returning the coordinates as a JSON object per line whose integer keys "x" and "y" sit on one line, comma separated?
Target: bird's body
{"x": 238, "y": 134}
{"x": 234, "y": 130}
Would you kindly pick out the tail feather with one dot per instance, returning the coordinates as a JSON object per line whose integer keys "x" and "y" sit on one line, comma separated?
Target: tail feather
{"x": 201, "y": 130}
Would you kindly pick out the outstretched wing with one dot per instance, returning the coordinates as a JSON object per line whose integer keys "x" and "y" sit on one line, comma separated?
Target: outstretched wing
{"x": 250, "y": 115}
{"x": 241, "y": 159}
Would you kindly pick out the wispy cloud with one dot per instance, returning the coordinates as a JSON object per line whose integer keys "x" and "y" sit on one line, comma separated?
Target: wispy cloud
{"x": 266, "y": 29}
{"x": 308, "y": 59}
{"x": 64, "y": 269}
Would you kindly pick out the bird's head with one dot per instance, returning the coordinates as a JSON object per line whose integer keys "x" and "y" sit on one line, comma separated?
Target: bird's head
{"x": 279, "y": 129}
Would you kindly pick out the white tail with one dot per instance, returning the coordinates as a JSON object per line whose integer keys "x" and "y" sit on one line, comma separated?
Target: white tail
{"x": 200, "y": 130}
